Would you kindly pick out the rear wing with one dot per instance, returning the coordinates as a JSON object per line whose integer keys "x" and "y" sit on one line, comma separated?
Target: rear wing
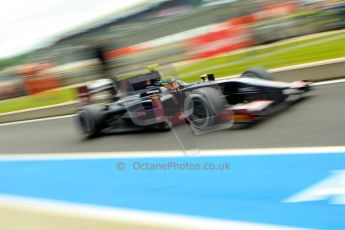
{"x": 107, "y": 90}
{"x": 100, "y": 91}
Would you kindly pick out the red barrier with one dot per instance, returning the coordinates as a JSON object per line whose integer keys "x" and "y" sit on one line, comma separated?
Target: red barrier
{"x": 123, "y": 51}
{"x": 34, "y": 83}
{"x": 224, "y": 37}
{"x": 233, "y": 34}
{"x": 34, "y": 86}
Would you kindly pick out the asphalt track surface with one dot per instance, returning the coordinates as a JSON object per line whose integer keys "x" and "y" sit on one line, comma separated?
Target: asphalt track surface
{"x": 318, "y": 120}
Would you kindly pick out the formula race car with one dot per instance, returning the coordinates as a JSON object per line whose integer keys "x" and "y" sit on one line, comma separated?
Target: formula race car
{"x": 150, "y": 101}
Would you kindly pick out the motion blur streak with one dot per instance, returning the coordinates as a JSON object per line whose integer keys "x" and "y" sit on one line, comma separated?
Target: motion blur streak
{"x": 52, "y": 178}
{"x": 299, "y": 129}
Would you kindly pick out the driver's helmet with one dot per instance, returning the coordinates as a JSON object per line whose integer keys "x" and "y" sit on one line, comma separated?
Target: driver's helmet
{"x": 170, "y": 83}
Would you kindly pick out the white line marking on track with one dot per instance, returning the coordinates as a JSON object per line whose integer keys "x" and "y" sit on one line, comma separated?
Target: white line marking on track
{"x": 328, "y": 82}
{"x": 37, "y": 120}
{"x": 174, "y": 153}
{"x": 128, "y": 215}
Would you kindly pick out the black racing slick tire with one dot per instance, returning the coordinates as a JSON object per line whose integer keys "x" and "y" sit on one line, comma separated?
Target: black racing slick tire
{"x": 202, "y": 107}
{"x": 258, "y": 72}
{"x": 91, "y": 120}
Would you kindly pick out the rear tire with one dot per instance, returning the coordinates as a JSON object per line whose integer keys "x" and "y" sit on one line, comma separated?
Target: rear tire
{"x": 91, "y": 120}
{"x": 258, "y": 72}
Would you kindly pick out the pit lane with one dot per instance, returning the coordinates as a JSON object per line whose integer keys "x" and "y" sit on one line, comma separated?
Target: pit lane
{"x": 315, "y": 121}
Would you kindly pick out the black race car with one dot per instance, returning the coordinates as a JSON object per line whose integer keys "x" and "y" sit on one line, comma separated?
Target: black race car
{"x": 148, "y": 102}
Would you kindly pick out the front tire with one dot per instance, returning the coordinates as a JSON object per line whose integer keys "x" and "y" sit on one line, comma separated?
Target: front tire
{"x": 202, "y": 107}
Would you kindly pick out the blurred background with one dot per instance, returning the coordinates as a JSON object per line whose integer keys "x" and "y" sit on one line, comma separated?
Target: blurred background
{"x": 186, "y": 37}
{"x": 51, "y": 50}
